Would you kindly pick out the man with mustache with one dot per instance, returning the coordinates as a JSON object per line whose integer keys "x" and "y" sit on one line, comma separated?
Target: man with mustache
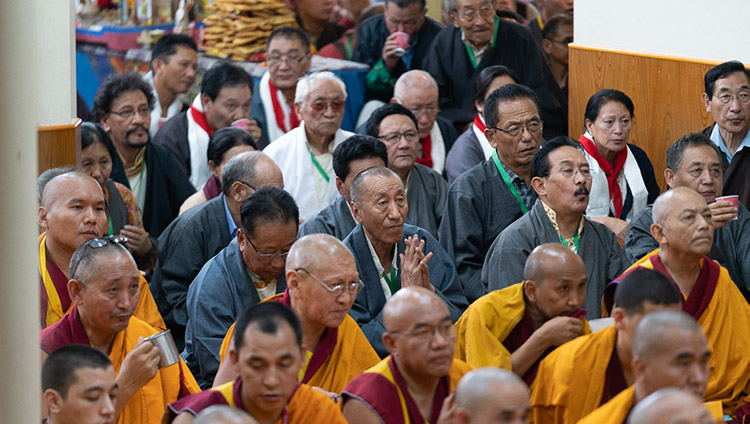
{"x": 516, "y": 327}
{"x": 561, "y": 179}
{"x": 123, "y": 106}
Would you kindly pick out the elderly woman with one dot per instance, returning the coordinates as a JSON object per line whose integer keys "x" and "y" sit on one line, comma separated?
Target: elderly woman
{"x": 125, "y": 218}
{"x": 222, "y": 146}
{"x": 472, "y": 146}
{"x": 623, "y": 177}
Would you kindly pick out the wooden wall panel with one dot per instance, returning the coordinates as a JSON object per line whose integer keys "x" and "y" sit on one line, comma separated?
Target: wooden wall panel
{"x": 666, "y": 92}
{"x": 58, "y": 145}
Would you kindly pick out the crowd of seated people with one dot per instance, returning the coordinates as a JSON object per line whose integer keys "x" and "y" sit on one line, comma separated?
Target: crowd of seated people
{"x": 308, "y": 274}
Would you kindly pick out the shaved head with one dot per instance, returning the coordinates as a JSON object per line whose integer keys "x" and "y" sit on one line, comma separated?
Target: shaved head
{"x": 413, "y": 79}
{"x": 555, "y": 281}
{"x": 651, "y": 332}
{"x": 548, "y": 259}
{"x": 670, "y": 406}
{"x": 683, "y": 223}
{"x": 360, "y": 183}
{"x": 56, "y": 187}
{"x": 403, "y": 307}
{"x": 315, "y": 251}
{"x": 664, "y": 203}
{"x": 489, "y": 393}
{"x": 224, "y": 414}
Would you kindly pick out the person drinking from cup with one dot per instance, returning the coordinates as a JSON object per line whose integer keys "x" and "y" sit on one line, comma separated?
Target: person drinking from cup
{"x": 104, "y": 287}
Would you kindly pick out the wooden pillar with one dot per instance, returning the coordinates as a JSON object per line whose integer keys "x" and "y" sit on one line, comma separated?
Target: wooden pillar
{"x": 58, "y": 145}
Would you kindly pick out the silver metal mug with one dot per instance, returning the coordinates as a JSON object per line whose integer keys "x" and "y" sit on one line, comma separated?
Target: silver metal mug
{"x": 168, "y": 354}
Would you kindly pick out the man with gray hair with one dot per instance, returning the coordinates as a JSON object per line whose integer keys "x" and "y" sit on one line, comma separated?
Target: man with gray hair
{"x": 489, "y": 393}
{"x": 671, "y": 406}
{"x": 304, "y": 154}
{"x": 417, "y": 91}
{"x": 224, "y": 414}
{"x": 201, "y": 232}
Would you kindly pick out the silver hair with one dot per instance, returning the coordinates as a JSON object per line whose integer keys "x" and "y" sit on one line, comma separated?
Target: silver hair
{"x": 414, "y": 78}
{"x": 304, "y": 84}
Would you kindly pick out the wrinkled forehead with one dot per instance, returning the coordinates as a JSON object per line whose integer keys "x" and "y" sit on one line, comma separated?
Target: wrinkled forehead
{"x": 324, "y": 89}
{"x": 71, "y": 188}
{"x": 736, "y": 80}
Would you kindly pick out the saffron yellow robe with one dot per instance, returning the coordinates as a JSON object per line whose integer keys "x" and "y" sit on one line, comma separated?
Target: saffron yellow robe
{"x": 613, "y": 412}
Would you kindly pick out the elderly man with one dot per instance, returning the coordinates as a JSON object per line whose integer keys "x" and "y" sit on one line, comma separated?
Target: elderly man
{"x": 581, "y": 375}
{"x": 417, "y": 91}
{"x": 478, "y": 39}
{"x": 391, "y": 255}
{"x": 557, "y": 34}
{"x": 174, "y": 65}
{"x": 490, "y": 394}
{"x": 561, "y": 179}
{"x": 79, "y": 386}
{"x": 694, "y": 161}
{"x": 288, "y": 57}
{"x": 199, "y": 234}
{"x": 72, "y": 212}
{"x": 226, "y": 93}
{"x": 123, "y": 106}
{"x": 268, "y": 357}
{"x": 323, "y": 283}
{"x": 484, "y": 200}
{"x": 378, "y": 44}
{"x": 684, "y": 229}
{"x": 515, "y": 328}
{"x": 396, "y": 127}
{"x": 248, "y": 270}
{"x": 354, "y": 155}
{"x": 104, "y": 287}
{"x": 669, "y": 350}
{"x": 671, "y": 406}
{"x": 549, "y": 9}
{"x": 304, "y": 153}
{"x": 410, "y": 384}
{"x": 727, "y": 97}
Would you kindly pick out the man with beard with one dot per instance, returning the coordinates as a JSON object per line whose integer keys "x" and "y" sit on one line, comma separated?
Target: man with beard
{"x": 561, "y": 179}
{"x": 123, "y": 106}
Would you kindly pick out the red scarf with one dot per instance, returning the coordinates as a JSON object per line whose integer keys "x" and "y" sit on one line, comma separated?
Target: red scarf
{"x": 200, "y": 119}
{"x": 426, "y": 158}
{"x": 479, "y": 123}
{"x": 615, "y": 195}
{"x": 279, "y": 112}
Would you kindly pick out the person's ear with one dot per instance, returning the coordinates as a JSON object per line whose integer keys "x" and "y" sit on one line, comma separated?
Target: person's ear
{"x": 539, "y": 186}
{"x": 41, "y": 218}
{"x": 547, "y": 45}
{"x": 298, "y": 108}
{"x": 104, "y": 121}
{"x": 52, "y": 400}
{"x": 234, "y": 357}
{"x": 292, "y": 281}
{"x": 389, "y": 343}
{"x": 241, "y": 240}
{"x": 75, "y": 290}
{"x": 489, "y": 134}
{"x": 530, "y": 288}
{"x": 588, "y": 125}
{"x": 356, "y": 211}
{"x": 706, "y": 102}
{"x": 619, "y": 316}
{"x": 340, "y": 186}
{"x": 669, "y": 176}
{"x": 638, "y": 365}
{"x": 157, "y": 65}
{"x": 205, "y": 100}
{"x": 657, "y": 232}
{"x": 237, "y": 191}
{"x": 453, "y": 16}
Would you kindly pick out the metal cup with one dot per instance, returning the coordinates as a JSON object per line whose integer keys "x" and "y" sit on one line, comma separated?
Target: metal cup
{"x": 168, "y": 354}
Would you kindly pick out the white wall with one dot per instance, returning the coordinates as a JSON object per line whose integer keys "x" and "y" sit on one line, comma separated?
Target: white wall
{"x": 713, "y": 30}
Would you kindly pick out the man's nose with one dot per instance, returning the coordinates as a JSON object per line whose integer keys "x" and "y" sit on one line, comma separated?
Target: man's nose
{"x": 108, "y": 407}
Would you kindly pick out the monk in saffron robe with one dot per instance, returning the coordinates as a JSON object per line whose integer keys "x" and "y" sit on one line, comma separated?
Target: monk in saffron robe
{"x": 488, "y": 395}
{"x": 671, "y": 406}
{"x": 684, "y": 230}
{"x": 322, "y": 283}
{"x": 105, "y": 289}
{"x": 72, "y": 212}
{"x": 516, "y": 327}
{"x": 410, "y": 385}
{"x": 268, "y": 355}
{"x": 669, "y": 350}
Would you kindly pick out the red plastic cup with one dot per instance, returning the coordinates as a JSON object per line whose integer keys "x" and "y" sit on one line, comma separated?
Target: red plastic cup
{"x": 241, "y": 124}
{"x": 402, "y": 39}
{"x": 735, "y": 199}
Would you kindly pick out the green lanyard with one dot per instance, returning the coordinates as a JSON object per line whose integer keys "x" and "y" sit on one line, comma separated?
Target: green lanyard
{"x": 317, "y": 165}
{"x": 575, "y": 240}
{"x": 492, "y": 44}
{"x": 510, "y": 185}
{"x": 349, "y": 47}
{"x": 392, "y": 282}
{"x": 111, "y": 230}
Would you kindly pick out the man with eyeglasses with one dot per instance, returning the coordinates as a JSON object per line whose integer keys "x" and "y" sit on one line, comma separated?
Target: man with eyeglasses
{"x": 248, "y": 270}
{"x": 478, "y": 39}
{"x": 322, "y": 283}
{"x": 104, "y": 286}
{"x": 392, "y": 255}
{"x": 562, "y": 180}
{"x": 200, "y": 233}
{"x": 304, "y": 153}
{"x": 397, "y": 128}
{"x": 288, "y": 57}
{"x": 224, "y": 100}
{"x": 122, "y": 105}
{"x": 377, "y": 44}
{"x": 727, "y": 97}
{"x": 516, "y": 327}
{"x": 411, "y": 384}
{"x": 417, "y": 91}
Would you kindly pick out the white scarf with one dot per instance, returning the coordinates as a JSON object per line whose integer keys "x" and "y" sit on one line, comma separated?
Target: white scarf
{"x": 438, "y": 148}
{"x": 273, "y": 129}
{"x": 198, "y": 143}
{"x": 486, "y": 147}
{"x": 172, "y": 110}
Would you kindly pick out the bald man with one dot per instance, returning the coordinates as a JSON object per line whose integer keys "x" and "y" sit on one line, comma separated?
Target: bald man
{"x": 488, "y": 395}
{"x": 419, "y": 373}
{"x": 516, "y": 327}
{"x": 669, "y": 350}
{"x": 224, "y": 414}
{"x": 670, "y": 406}
{"x": 72, "y": 212}
{"x": 322, "y": 282}
{"x": 585, "y": 373}
{"x": 684, "y": 228}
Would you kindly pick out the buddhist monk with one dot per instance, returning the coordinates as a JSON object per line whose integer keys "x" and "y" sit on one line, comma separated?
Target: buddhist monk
{"x": 669, "y": 350}
{"x": 73, "y": 211}
{"x": 322, "y": 283}
{"x": 683, "y": 227}
{"x": 105, "y": 288}
{"x": 516, "y": 327}
{"x": 268, "y": 355}
{"x": 411, "y": 384}
{"x": 491, "y": 395}
{"x": 79, "y": 386}
{"x": 224, "y": 414}
{"x": 587, "y": 372}
{"x": 670, "y": 406}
